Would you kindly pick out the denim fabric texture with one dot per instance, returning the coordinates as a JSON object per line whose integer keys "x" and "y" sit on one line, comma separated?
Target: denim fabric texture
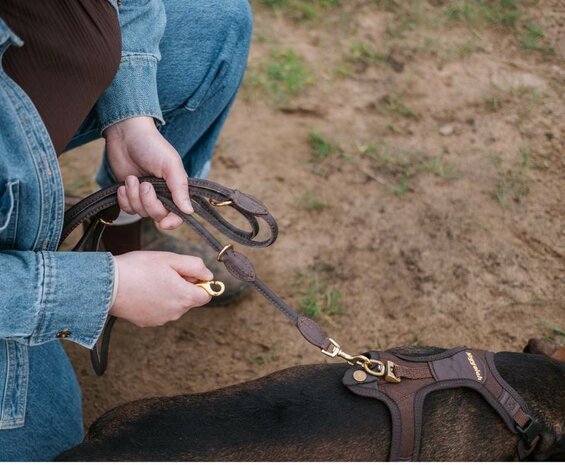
{"x": 182, "y": 64}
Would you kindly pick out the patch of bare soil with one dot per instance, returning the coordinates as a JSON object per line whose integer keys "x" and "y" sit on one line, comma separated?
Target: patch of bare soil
{"x": 436, "y": 207}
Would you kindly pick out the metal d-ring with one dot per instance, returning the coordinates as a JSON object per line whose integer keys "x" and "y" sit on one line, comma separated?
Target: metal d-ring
{"x": 220, "y": 203}
{"x": 223, "y": 251}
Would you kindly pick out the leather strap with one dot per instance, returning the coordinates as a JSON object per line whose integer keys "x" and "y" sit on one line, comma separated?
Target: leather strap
{"x": 421, "y": 375}
{"x": 208, "y": 199}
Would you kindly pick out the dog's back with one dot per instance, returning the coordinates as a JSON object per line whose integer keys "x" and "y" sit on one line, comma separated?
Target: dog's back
{"x": 305, "y": 413}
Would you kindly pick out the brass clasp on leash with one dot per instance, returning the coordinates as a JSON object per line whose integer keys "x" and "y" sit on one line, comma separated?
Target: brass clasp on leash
{"x": 371, "y": 366}
{"x": 208, "y": 286}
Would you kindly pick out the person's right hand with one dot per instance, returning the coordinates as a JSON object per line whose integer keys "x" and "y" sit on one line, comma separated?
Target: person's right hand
{"x": 157, "y": 287}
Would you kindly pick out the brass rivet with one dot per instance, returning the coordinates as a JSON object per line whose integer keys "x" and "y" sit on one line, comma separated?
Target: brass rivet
{"x": 63, "y": 334}
{"x": 359, "y": 376}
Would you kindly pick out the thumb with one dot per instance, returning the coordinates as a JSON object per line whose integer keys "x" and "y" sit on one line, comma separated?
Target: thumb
{"x": 177, "y": 182}
{"x": 191, "y": 267}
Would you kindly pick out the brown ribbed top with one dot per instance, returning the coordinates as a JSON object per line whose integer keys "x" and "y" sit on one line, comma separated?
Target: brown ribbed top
{"x": 70, "y": 55}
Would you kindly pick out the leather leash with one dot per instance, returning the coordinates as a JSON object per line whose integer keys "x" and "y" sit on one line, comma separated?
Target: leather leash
{"x": 379, "y": 371}
{"x": 208, "y": 198}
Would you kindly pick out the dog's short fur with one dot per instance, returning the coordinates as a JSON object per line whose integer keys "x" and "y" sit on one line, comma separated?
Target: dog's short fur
{"x": 305, "y": 413}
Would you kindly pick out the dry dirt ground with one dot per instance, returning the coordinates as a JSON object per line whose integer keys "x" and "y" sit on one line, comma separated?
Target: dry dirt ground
{"x": 412, "y": 152}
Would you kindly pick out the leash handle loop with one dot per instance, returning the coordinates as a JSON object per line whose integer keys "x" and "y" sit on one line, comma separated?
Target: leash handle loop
{"x": 207, "y": 198}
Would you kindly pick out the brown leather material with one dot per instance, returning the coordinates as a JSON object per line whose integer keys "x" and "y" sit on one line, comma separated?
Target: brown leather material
{"x": 90, "y": 240}
{"x": 455, "y": 368}
{"x": 248, "y": 203}
{"x": 313, "y": 333}
{"x": 413, "y": 373}
{"x": 123, "y": 238}
{"x": 201, "y": 192}
{"x": 238, "y": 265}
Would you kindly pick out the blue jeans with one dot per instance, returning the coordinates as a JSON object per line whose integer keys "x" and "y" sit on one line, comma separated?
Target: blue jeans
{"x": 204, "y": 53}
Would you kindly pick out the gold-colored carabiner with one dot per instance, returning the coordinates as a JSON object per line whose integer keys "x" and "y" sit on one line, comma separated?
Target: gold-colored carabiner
{"x": 371, "y": 366}
{"x": 207, "y": 286}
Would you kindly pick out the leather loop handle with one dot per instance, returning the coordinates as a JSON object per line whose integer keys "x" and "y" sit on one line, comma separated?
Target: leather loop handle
{"x": 207, "y": 200}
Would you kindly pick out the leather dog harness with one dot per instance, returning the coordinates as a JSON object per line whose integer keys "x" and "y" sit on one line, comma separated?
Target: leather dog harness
{"x": 449, "y": 369}
{"x": 400, "y": 381}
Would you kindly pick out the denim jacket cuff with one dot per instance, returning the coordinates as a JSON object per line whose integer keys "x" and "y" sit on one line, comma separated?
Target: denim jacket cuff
{"x": 77, "y": 294}
{"x": 133, "y": 92}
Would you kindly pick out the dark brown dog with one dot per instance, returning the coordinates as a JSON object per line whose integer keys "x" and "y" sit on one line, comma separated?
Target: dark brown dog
{"x": 305, "y": 413}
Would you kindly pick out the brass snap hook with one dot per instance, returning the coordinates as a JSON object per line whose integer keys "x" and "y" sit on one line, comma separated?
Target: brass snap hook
{"x": 208, "y": 287}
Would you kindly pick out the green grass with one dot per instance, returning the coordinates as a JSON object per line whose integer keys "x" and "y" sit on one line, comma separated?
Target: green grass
{"x": 525, "y": 96}
{"x": 344, "y": 70}
{"x": 318, "y": 298}
{"x": 553, "y": 327}
{"x": 321, "y": 149}
{"x": 394, "y": 105}
{"x": 478, "y": 13}
{"x": 402, "y": 165}
{"x": 464, "y": 49}
{"x": 533, "y": 38}
{"x": 492, "y": 103}
{"x": 361, "y": 52}
{"x": 283, "y": 75}
{"x": 320, "y": 146}
{"x": 401, "y": 188}
{"x": 268, "y": 355}
{"x": 358, "y": 58}
{"x": 439, "y": 167}
{"x": 534, "y": 301}
{"x": 302, "y": 10}
{"x": 393, "y": 160}
{"x": 408, "y": 15}
{"x": 459, "y": 51}
{"x": 504, "y": 14}
{"x": 309, "y": 202}
{"x": 495, "y": 158}
{"x": 525, "y": 157}
{"x": 512, "y": 184}
{"x": 557, "y": 334}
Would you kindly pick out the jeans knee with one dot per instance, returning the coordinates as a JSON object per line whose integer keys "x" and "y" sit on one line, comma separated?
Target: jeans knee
{"x": 235, "y": 16}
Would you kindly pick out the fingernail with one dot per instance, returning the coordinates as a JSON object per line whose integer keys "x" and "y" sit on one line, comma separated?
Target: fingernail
{"x": 188, "y": 206}
{"x": 145, "y": 187}
{"x": 130, "y": 181}
{"x": 121, "y": 190}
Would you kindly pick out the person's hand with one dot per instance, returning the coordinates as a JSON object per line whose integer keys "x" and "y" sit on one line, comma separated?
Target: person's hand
{"x": 135, "y": 147}
{"x": 157, "y": 287}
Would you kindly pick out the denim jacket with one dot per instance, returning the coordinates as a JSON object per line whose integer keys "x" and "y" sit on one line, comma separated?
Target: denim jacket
{"x": 43, "y": 292}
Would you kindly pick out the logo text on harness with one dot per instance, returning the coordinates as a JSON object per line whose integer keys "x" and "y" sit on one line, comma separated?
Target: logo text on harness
{"x": 474, "y": 365}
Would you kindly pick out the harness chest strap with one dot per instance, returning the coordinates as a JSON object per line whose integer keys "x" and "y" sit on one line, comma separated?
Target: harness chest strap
{"x": 421, "y": 375}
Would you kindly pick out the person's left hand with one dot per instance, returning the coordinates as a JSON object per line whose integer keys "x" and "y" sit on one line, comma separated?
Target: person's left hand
{"x": 135, "y": 147}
